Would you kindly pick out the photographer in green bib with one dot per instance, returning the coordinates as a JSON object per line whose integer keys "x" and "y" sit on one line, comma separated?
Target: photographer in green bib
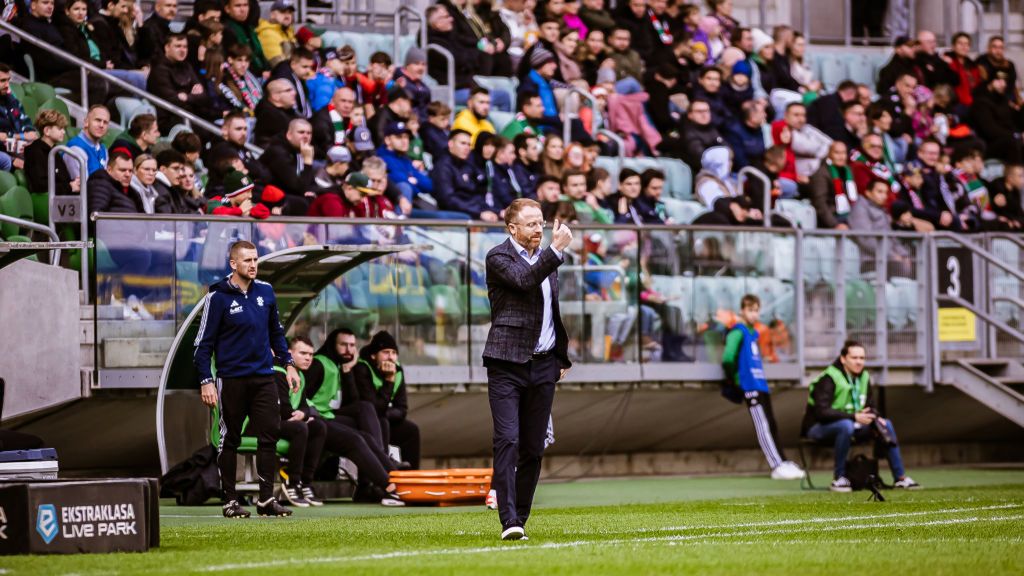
{"x": 379, "y": 379}
{"x": 840, "y": 410}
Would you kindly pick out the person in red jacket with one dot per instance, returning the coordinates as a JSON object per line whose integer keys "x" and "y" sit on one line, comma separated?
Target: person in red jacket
{"x": 351, "y": 203}
{"x": 237, "y": 198}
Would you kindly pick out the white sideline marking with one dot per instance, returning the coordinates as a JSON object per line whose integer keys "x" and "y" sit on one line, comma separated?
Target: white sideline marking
{"x": 831, "y": 520}
{"x": 580, "y": 543}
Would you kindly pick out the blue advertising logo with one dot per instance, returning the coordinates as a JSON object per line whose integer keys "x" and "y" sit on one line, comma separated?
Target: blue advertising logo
{"x": 46, "y": 522}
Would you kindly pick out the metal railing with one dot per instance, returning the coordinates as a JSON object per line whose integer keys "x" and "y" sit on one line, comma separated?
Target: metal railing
{"x": 397, "y": 27}
{"x": 79, "y": 216}
{"x": 979, "y": 12}
{"x": 87, "y": 68}
{"x": 983, "y": 311}
{"x": 573, "y": 113}
{"x": 451, "y": 73}
{"x": 748, "y": 172}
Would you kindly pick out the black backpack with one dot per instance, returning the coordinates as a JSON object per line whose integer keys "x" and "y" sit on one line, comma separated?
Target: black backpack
{"x": 862, "y": 472}
{"x": 193, "y": 481}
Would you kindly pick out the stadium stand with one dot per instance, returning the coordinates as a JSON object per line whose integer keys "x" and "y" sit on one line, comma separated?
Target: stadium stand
{"x": 661, "y": 294}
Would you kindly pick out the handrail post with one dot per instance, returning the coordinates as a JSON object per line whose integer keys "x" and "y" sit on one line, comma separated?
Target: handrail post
{"x": 766, "y": 210}
{"x": 798, "y": 282}
{"x": 762, "y": 13}
{"x": 1005, "y": 28}
{"x": 805, "y": 22}
{"x": 83, "y": 179}
{"x": 397, "y": 20}
{"x": 451, "y": 73}
{"x": 85, "y": 88}
{"x": 567, "y": 121}
{"x": 847, "y": 24}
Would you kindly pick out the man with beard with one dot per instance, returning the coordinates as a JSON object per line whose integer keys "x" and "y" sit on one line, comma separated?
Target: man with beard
{"x": 473, "y": 119}
{"x": 234, "y": 134}
{"x": 525, "y": 355}
{"x": 380, "y": 380}
{"x": 994, "y": 61}
{"x": 525, "y": 169}
{"x": 296, "y": 70}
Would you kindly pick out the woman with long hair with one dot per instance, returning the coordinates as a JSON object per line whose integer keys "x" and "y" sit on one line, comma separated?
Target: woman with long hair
{"x": 237, "y": 87}
{"x": 565, "y": 48}
{"x": 552, "y": 156}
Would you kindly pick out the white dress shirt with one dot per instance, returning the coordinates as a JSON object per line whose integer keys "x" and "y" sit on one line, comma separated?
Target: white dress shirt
{"x": 546, "y": 341}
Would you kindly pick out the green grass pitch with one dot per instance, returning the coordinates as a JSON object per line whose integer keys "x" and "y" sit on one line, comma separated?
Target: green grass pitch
{"x": 963, "y": 522}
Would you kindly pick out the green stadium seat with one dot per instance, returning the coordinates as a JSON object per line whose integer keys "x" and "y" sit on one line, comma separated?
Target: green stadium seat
{"x": 40, "y": 91}
{"x": 19, "y": 176}
{"x": 58, "y": 105}
{"x": 18, "y": 90}
{"x": 501, "y": 119}
{"x": 799, "y": 211}
{"x": 17, "y": 203}
{"x": 7, "y": 181}
{"x": 108, "y": 139}
{"x": 860, "y": 305}
{"x": 41, "y": 208}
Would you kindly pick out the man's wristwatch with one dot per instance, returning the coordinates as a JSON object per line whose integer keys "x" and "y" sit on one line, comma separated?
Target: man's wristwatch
{"x": 207, "y": 381}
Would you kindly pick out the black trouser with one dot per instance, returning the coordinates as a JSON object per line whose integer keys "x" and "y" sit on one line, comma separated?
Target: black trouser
{"x": 760, "y": 406}
{"x": 520, "y": 396}
{"x": 362, "y": 416}
{"x": 347, "y": 442}
{"x": 256, "y": 398}
{"x": 305, "y": 445}
{"x": 405, "y": 434}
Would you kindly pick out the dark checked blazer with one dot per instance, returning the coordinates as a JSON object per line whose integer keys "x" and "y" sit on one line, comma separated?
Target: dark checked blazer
{"x": 517, "y": 305}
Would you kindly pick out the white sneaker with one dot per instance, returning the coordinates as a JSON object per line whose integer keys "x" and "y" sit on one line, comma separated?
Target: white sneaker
{"x": 841, "y": 484}
{"x": 491, "y": 502}
{"x": 514, "y": 533}
{"x": 788, "y": 471}
{"x": 907, "y": 483}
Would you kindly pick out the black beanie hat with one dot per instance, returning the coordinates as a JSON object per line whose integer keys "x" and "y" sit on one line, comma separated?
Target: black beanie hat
{"x": 382, "y": 340}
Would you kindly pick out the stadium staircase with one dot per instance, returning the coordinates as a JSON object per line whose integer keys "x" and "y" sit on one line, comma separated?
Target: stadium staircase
{"x": 997, "y": 383}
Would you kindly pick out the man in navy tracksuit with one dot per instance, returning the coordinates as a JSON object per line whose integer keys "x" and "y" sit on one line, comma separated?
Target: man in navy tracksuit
{"x": 240, "y": 326}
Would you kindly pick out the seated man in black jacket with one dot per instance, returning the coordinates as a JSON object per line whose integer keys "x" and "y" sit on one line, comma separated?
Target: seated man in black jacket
{"x": 275, "y": 111}
{"x": 1006, "y": 197}
{"x": 109, "y": 190}
{"x": 460, "y": 186}
{"x": 234, "y": 134}
{"x": 380, "y": 379}
{"x": 289, "y": 160}
{"x": 699, "y": 134}
{"x": 173, "y": 79}
{"x": 304, "y": 432}
{"x": 840, "y": 410}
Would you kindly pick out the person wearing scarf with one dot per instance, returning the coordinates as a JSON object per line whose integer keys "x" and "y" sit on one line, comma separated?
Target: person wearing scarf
{"x": 239, "y": 86}
{"x": 833, "y": 190}
{"x": 869, "y": 163}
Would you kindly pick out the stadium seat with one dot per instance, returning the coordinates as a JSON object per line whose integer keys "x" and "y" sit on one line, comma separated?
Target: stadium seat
{"x": 680, "y": 293}
{"x": 993, "y": 170}
{"x": 833, "y": 70}
{"x": 499, "y": 84}
{"x": 41, "y": 208}
{"x": 678, "y": 178}
{"x": 609, "y": 164}
{"x": 683, "y": 211}
{"x": 58, "y": 105}
{"x": 861, "y": 69}
{"x": 501, "y": 119}
{"x": 7, "y": 181}
{"x": 129, "y": 107}
{"x": 860, "y": 305}
{"x": 799, "y": 211}
{"x": 16, "y": 203}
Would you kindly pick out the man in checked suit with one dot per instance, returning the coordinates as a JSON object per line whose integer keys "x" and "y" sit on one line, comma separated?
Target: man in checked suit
{"x": 525, "y": 355}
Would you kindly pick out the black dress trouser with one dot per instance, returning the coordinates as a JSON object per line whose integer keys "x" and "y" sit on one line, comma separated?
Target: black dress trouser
{"x": 254, "y": 397}
{"x": 520, "y": 396}
{"x": 305, "y": 445}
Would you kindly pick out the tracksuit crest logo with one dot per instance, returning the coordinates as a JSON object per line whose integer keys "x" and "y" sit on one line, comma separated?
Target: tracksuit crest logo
{"x": 47, "y": 524}
{"x": 259, "y": 300}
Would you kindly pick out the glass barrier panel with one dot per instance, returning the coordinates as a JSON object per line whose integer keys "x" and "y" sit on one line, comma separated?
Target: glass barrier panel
{"x": 481, "y": 241}
{"x": 599, "y": 291}
{"x": 201, "y": 258}
{"x": 135, "y": 292}
{"x": 1004, "y": 285}
{"x": 824, "y": 307}
{"x": 906, "y": 299}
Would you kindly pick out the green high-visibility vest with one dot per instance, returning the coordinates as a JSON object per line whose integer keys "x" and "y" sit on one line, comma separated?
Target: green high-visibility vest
{"x": 294, "y": 397}
{"x": 849, "y": 397}
{"x": 378, "y": 381}
{"x": 328, "y": 397}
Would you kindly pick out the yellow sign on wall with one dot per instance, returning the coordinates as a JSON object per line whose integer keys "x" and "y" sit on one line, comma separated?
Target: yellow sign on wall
{"x": 957, "y": 325}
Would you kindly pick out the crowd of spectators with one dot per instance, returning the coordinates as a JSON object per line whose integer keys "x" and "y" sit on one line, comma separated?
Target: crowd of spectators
{"x": 667, "y": 78}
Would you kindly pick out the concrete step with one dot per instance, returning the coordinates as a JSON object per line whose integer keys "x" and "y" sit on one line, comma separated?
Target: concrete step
{"x": 135, "y": 352}
{"x": 103, "y": 312}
